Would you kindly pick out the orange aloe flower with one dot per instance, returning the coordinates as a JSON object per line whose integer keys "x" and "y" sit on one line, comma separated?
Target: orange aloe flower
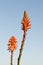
{"x": 26, "y": 22}
{"x": 12, "y": 45}
{"x": 25, "y": 26}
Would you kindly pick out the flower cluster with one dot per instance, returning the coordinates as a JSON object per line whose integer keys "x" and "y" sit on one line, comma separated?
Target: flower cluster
{"x": 26, "y": 22}
{"x": 12, "y": 45}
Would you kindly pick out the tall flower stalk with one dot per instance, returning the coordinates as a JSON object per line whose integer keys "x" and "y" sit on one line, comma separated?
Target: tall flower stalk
{"x": 12, "y": 45}
{"x": 25, "y": 26}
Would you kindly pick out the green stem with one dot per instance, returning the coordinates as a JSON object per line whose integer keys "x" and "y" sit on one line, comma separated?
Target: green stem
{"x": 11, "y": 57}
{"x": 21, "y": 49}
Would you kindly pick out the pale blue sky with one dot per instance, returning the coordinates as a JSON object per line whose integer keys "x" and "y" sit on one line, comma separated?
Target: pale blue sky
{"x": 11, "y": 14}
